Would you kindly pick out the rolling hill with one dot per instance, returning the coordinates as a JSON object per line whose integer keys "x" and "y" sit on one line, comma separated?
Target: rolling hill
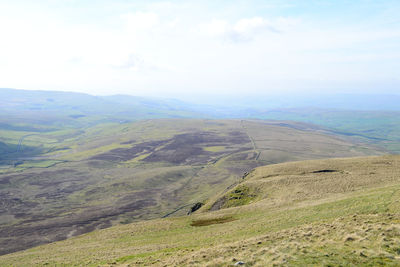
{"x": 111, "y": 174}
{"x": 73, "y": 163}
{"x": 373, "y": 118}
{"x": 320, "y": 212}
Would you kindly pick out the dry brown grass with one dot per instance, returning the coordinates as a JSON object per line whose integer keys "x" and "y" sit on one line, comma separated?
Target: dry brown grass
{"x": 360, "y": 238}
{"x": 294, "y": 182}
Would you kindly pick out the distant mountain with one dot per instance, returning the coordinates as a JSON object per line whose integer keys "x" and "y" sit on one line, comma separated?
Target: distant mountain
{"x": 51, "y": 106}
{"x": 219, "y": 107}
{"x": 374, "y": 117}
{"x": 11, "y": 99}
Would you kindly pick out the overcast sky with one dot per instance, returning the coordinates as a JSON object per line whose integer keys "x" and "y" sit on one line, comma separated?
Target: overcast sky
{"x": 186, "y": 48}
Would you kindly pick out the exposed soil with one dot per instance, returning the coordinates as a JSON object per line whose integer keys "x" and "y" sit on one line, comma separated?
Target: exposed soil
{"x": 218, "y": 204}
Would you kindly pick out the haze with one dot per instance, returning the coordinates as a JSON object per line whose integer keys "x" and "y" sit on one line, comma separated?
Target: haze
{"x": 201, "y": 48}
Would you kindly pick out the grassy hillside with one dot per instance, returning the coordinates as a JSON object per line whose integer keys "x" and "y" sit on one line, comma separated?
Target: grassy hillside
{"x": 324, "y": 212}
{"x": 113, "y": 174}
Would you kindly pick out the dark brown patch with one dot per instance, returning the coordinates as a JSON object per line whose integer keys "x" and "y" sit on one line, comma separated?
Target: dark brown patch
{"x": 326, "y": 170}
{"x": 125, "y": 154}
{"x": 188, "y": 148}
{"x": 25, "y": 235}
{"x": 243, "y": 156}
{"x": 184, "y": 148}
{"x": 129, "y": 142}
{"x": 205, "y": 222}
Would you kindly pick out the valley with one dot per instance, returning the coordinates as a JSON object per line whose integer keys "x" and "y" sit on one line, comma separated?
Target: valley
{"x": 108, "y": 174}
{"x": 329, "y": 212}
{"x": 199, "y": 133}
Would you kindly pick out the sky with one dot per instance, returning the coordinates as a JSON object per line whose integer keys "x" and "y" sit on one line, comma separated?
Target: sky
{"x": 201, "y": 48}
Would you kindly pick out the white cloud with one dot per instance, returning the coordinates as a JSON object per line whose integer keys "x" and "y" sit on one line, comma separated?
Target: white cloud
{"x": 215, "y": 27}
{"x": 132, "y": 62}
{"x": 246, "y": 29}
{"x": 171, "y": 48}
{"x": 140, "y": 21}
{"x": 253, "y": 25}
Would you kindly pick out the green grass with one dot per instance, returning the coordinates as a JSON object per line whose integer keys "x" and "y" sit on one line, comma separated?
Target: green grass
{"x": 357, "y": 226}
{"x": 79, "y": 155}
{"x": 214, "y": 148}
{"x": 182, "y": 238}
{"x": 239, "y": 196}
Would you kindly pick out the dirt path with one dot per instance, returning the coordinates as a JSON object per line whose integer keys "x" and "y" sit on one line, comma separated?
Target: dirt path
{"x": 251, "y": 140}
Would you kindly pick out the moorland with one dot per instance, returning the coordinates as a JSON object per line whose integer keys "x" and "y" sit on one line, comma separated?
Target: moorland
{"x": 71, "y": 164}
{"x": 321, "y": 212}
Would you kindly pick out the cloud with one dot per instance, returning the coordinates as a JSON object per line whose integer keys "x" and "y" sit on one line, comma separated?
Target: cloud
{"x": 246, "y": 29}
{"x": 132, "y": 62}
{"x": 196, "y": 46}
{"x": 140, "y": 21}
{"x": 215, "y": 27}
{"x": 254, "y": 25}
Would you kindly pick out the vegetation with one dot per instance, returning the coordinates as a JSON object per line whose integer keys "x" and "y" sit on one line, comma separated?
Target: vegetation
{"x": 381, "y": 128}
{"x": 71, "y": 164}
{"x": 355, "y": 223}
{"x": 241, "y": 195}
{"x": 110, "y": 173}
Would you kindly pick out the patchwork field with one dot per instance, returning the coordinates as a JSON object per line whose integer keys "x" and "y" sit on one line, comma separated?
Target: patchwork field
{"x": 111, "y": 174}
{"x": 290, "y": 215}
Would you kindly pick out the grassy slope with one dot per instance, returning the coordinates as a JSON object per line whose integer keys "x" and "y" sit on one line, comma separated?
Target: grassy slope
{"x": 102, "y": 178}
{"x": 298, "y": 216}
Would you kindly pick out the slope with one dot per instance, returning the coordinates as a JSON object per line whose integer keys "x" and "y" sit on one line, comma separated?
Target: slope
{"x": 325, "y": 212}
{"x": 113, "y": 174}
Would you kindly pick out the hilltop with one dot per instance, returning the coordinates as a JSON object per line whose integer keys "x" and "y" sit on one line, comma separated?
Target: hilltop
{"x": 327, "y": 212}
